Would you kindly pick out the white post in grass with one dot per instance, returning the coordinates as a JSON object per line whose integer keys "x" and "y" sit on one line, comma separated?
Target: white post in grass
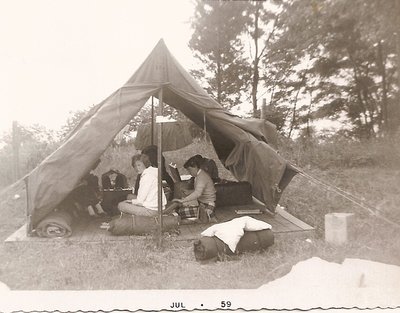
{"x": 159, "y": 163}
{"x": 339, "y": 228}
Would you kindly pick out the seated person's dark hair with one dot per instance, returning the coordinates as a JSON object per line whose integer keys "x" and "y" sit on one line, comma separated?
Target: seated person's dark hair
{"x": 199, "y": 158}
{"x": 151, "y": 152}
{"x": 194, "y": 161}
{"x": 106, "y": 181}
{"x": 146, "y": 160}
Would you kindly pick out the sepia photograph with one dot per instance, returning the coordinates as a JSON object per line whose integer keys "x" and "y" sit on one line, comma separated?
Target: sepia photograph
{"x": 199, "y": 155}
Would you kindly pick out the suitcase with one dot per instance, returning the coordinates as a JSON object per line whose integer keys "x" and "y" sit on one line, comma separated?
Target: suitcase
{"x": 233, "y": 193}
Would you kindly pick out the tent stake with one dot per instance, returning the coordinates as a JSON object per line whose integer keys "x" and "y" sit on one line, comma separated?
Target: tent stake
{"x": 159, "y": 163}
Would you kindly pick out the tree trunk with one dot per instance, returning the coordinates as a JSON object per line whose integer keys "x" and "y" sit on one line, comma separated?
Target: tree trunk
{"x": 369, "y": 111}
{"x": 359, "y": 95}
{"x": 256, "y": 76}
{"x": 382, "y": 67}
{"x": 219, "y": 68}
{"x": 362, "y": 107}
{"x": 219, "y": 83}
{"x": 303, "y": 79}
{"x": 308, "y": 131}
{"x": 272, "y": 94}
{"x": 254, "y": 88}
{"x": 397, "y": 38}
{"x": 294, "y": 113}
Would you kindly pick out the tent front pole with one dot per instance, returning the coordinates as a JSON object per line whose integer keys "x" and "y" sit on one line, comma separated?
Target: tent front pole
{"x": 159, "y": 163}
{"x": 152, "y": 120}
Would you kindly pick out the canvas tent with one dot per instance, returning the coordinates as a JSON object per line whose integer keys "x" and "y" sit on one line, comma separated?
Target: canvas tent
{"x": 245, "y": 147}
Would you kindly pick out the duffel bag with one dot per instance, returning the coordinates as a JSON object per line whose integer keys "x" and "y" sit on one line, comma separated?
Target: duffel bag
{"x": 212, "y": 248}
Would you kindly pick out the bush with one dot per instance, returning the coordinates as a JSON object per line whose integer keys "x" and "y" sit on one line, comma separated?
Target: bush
{"x": 341, "y": 152}
{"x": 35, "y": 144}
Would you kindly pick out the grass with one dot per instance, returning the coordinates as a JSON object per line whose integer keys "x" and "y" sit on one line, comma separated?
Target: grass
{"x": 139, "y": 264}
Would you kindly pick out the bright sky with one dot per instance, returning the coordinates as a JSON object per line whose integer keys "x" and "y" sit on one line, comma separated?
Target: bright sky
{"x": 58, "y": 56}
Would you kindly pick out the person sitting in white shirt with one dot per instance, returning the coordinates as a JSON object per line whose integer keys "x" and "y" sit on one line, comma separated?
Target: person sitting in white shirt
{"x": 146, "y": 201}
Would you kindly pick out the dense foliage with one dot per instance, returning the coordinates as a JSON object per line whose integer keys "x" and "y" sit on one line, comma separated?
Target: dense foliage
{"x": 216, "y": 44}
{"x": 318, "y": 60}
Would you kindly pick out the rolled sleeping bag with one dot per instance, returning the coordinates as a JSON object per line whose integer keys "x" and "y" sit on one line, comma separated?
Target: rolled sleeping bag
{"x": 255, "y": 241}
{"x": 210, "y": 248}
{"x": 214, "y": 248}
{"x": 127, "y": 225}
{"x": 55, "y": 225}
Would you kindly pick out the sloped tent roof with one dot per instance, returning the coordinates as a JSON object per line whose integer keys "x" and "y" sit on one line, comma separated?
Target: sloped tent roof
{"x": 245, "y": 147}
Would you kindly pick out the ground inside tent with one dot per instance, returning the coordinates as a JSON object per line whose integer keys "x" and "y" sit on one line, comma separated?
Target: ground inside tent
{"x": 88, "y": 230}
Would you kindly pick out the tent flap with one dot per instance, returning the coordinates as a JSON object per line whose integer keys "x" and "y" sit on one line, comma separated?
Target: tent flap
{"x": 256, "y": 162}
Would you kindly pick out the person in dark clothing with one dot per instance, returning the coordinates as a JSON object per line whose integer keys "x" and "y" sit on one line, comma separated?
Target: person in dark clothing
{"x": 92, "y": 181}
{"x": 87, "y": 194}
{"x": 120, "y": 181}
{"x": 137, "y": 182}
